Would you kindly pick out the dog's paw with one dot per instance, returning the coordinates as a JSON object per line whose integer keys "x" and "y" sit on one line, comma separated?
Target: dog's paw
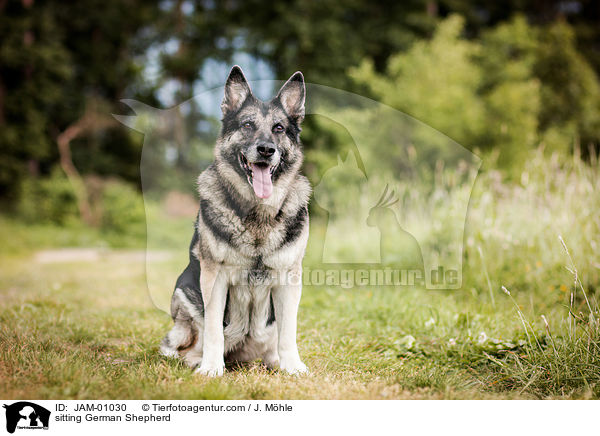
{"x": 193, "y": 359}
{"x": 271, "y": 363}
{"x": 211, "y": 370}
{"x": 294, "y": 367}
{"x": 271, "y": 359}
{"x": 168, "y": 352}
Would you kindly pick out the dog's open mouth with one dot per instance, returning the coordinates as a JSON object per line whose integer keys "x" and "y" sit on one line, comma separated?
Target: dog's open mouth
{"x": 259, "y": 176}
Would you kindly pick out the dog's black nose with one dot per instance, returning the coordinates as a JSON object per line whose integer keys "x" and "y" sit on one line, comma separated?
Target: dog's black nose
{"x": 266, "y": 150}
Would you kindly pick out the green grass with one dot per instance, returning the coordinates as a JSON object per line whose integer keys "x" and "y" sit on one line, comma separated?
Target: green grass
{"x": 89, "y": 330}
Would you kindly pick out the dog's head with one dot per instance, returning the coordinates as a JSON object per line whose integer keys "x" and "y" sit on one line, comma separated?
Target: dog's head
{"x": 259, "y": 143}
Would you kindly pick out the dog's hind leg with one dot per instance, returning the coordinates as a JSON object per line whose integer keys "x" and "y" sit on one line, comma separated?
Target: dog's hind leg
{"x": 187, "y": 310}
{"x": 180, "y": 337}
{"x": 184, "y": 332}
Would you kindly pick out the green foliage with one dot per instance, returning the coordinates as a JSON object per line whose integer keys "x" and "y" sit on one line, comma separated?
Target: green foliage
{"x": 122, "y": 209}
{"x": 570, "y": 95}
{"x": 48, "y": 200}
{"x": 509, "y": 90}
{"x": 552, "y": 92}
{"x": 501, "y": 93}
{"x": 324, "y": 39}
{"x": 493, "y": 83}
{"x": 117, "y": 204}
{"x": 35, "y": 65}
{"x": 434, "y": 81}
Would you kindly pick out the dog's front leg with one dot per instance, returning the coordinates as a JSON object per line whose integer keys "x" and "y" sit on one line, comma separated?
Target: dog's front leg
{"x": 286, "y": 299}
{"x": 213, "y": 284}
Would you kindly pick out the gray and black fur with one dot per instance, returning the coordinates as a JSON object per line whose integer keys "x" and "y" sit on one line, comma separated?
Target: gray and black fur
{"x": 246, "y": 238}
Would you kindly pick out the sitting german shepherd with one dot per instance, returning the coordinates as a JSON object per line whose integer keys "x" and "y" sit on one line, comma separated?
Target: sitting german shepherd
{"x": 238, "y": 298}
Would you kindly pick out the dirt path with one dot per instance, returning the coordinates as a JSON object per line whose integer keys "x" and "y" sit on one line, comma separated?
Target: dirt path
{"x": 86, "y": 255}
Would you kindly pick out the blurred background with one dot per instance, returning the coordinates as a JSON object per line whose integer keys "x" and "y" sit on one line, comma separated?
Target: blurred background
{"x": 515, "y": 82}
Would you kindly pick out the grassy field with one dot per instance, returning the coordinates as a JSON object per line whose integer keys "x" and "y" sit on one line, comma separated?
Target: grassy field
{"x": 85, "y": 327}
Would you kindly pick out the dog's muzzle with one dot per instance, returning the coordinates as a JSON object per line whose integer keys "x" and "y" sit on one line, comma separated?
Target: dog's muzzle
{"x": 259, "y": 171}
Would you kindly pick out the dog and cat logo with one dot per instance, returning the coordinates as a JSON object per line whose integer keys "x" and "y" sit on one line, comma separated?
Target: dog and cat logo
{"x": 26, "y": 415}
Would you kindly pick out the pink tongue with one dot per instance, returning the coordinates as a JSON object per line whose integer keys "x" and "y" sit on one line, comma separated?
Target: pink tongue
{"x": 261, "y": 181}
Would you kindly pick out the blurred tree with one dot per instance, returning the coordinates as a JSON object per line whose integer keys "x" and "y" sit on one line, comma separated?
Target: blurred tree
{"x": 495, "y": 83}
{"x": 435, "y": 81}
{"x": 324, "y": 39}
{"x": 191, "y": 33}
{"x": 512, "y": 89}
{"x": 571, "y": 89}
{"x": 34, "y": 65}
{"x": 538, "y": 88}
{"x": 52, "y": 59}
{"x": 582, "y": 15}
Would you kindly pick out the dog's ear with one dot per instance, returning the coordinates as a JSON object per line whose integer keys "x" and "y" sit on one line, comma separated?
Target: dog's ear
{"x": 236, "y": 90}
{"x": 292, "y": 95}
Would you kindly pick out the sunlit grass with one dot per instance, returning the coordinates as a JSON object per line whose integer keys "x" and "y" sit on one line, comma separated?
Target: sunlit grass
{"x": 88, "y": 329}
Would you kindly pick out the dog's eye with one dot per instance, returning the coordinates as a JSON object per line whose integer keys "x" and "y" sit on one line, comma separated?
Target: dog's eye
{"x": 278, "y": 128}
{"x": 248, "y": 125}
